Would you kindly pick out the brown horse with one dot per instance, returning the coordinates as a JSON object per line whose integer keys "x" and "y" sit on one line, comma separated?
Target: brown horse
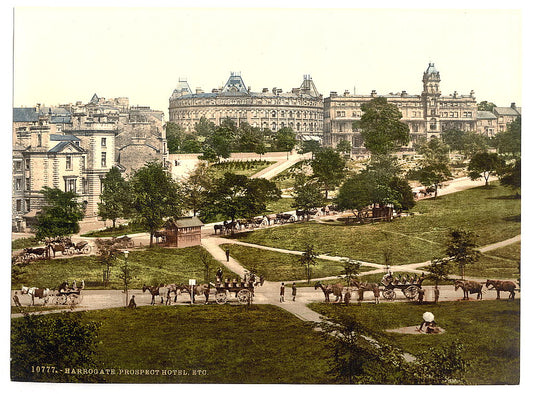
{"x": 335, "y": 289}
{"x": 501, "y": 285}
{"x": 154, "y": 291}
{"x": 469, "y": 287}
{"x": 202, "y": 289}
{"x": 365, "y": 286}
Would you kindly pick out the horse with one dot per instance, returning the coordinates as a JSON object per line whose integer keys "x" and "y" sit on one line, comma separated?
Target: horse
{"x": 469, "y": 286}
{"x": 501, "y": 285}
{"x": 36, "y": 292}
{"x": 154, "y": 291}
{"x": 285, "y": 217}
{"x": 271, "y": 219}
{"x": 220, "y": 228}
{"x": 364, "y": 286}
{"x": 202, "y": 289}
{"x": 335, "y": 289}
{"x": 37, "y": 252}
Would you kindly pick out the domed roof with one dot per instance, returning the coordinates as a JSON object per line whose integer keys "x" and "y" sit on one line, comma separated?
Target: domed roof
{"x": 431, "y": 69}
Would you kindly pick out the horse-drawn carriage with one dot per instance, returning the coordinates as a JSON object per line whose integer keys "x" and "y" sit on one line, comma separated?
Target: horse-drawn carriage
{"x": 409, "y": 286}
{"x": 66, "y": 246}
{"x": 243, "y": 290}
{"x": 68, "y": 295}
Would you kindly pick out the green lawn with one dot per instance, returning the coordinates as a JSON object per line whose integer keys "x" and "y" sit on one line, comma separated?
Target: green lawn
{"x": 151, "y": 266}
{"x": 489, "y": 331}
{"x": 486, "y": 211}
{"x": 232, "y": 344}
{"x": 247, "y": 168}
{"x": 119, "y": 230}
{"x": 276, "y": 266}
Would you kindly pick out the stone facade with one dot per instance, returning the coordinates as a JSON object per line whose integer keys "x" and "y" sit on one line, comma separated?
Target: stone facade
{"x": 72, "y": 147}
{"x": 301, "y": 109}
{"x": 427, "y": 114}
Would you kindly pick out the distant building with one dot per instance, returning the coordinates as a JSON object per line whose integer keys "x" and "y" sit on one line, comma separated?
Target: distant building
{"x": 427, "y": 114}
{"x": 301, "y": 109}
{"x": 72, "y": 147}
{"x": 506, "y": 115}
{"x": 182, "y": 232}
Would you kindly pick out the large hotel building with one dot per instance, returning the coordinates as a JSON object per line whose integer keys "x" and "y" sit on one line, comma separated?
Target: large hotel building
{"x": 331, "y": 118}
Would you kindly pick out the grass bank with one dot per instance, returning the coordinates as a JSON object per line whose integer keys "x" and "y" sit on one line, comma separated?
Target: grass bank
{"x": 489, "y": 331}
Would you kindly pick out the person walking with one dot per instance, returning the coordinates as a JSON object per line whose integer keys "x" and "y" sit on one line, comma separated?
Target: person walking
{"x": 219, "y": 274}
{"x": 227, "y": 254}
{"x": 282, "y": 293}
{"x": 132, "y": 304}
{"x": 294, "y": 291}
{"x": 437, "y": 294}
{"x": 347, "y": 297}
{"x": 375, "y": 290}
{"x": 421, "y": 292}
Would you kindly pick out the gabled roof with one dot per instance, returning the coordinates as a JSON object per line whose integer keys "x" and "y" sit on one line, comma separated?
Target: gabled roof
{"x": 25, "y": 115}
{"x": 505, "y": 111}
{"x": 63, "y": 145}
{"x": 192, "y": 221}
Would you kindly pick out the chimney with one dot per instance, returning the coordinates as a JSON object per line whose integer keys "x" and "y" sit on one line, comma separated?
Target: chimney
{"x": 374, "y": 93}
{"x": 513, "y": 106}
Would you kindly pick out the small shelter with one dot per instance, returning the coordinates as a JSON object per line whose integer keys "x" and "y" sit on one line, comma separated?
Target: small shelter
{"x": 182, "y": 232}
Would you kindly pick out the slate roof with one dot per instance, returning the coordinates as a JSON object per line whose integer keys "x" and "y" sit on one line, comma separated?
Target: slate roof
{"x": 25, "y": 115}
{"x": 506, "y": 111}
{"x": 187, "y": 222}
{"x": 62, "y": 145}
{"x": 63, "y": 137}
{"x": 486, "y": 115}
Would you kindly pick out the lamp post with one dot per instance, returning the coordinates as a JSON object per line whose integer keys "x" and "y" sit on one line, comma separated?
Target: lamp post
{"x": 126, "y": 252}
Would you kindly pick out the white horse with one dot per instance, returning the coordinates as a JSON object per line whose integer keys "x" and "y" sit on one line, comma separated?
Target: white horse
{"x": 36, "y": 292}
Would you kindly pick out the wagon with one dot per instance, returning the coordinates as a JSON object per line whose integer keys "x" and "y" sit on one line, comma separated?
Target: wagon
{"x": 244, "y": 291}
{"x": 409, "y": 289}
{"x": 66, "y": 295}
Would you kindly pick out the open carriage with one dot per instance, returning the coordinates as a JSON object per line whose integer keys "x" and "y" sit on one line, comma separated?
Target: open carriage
{"x": 68, "y": 295}
{"x": 409, "y": 286}
{"x": 244, "y": 291}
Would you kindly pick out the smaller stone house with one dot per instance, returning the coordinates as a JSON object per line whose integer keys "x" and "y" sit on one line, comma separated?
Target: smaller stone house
{"x": 182, "y": 232}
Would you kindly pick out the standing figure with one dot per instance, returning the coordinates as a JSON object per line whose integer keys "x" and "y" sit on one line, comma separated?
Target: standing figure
{"x": 375, "y": 290}
{"x": 347, "y": 297}
{"x": 294, "y": 291}
{"x": 16, "y": 299}
{"x": 282, "y": 293}
{"x": 219, "y": 274}
{"x": 132, "y": 304}
{"x": 421, "y": 292}
{"x": 437, "y": 293}
{"x": 227, "y": 254}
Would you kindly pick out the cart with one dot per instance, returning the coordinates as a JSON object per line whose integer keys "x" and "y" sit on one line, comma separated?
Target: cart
{"x": 244, "y": 291}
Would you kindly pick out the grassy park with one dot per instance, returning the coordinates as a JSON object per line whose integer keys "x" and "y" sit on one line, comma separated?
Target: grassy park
{"x": 489, "y": 212}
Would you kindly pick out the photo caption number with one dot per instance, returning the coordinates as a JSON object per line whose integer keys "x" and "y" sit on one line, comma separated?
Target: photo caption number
{"x": 43, "y": 369}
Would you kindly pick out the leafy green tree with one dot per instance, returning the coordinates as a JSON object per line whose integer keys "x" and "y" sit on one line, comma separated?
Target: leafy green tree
{"x": 107, "y": 254}
{"x": 344, "y": 147}
{"x": 474, "y": 143}
{"x": 196, "y": 187}
{"x": 462, "y": 248}
{"x": 306, "y": 194}
{"x": 350, "y": 270}
{"x": 115, "y": 197}
{"x": 220, "y": 141}
{"x": 306, "y": 146}
{"x": 454, "y": 138}
{"x": 510, "y": 175}
{"x": 191, "y": 144}
{"x": 485, "y": 106}
{"x": 439, "y": 271}
{"x": 175, "y": 136}
{"x": 60, "y": 214}
{"x": 510, "y": 141}
{"x": 155, "y": 197}
{"x": 328, "y": 168}
{"x": 61, "y": 342}
{"x": 356, "y": 193}
{"x": 435, "y": 165}
{"x": 235, "y": 196}
{"x": 285, "y": 139}
{"x": 308, "y": 260}
{"x": 484, "y": 164}
{"x": 248, "y": 138}
{"x": 381, "y": 127}
{"x": 204, "y": 127}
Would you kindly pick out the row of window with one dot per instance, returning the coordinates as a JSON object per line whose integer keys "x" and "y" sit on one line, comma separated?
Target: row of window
{"x": 256, "y": 114}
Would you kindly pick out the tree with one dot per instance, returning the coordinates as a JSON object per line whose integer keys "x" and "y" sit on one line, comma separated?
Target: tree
{"x": 510, "y": 141}
{"x": 115, "y": 202}
{"x": 308, "y": 260}
{"x": 60, "y": 214}
{"x": 249, "y": 139}
{"x": 381, "y": 128}
{"x": 328, "y": 168}
{"x": 435, "y": 165}
{"x": 234, "y": 196}
{"x": 306, "y": 194}
{"x": 356, "y": 193}
{"x": 344, "y": 147}
{"x": 510, "y": 175}
{"x": 107, "y": 254}
{"x": 461, "y": 248}
{"x": 285, "y": 139}
{"x": 306, "y": 146}
{"x": 175, "y": 136}
{"x": 196, "y": 187}
{"x": 155, "y": 197}
{"x": 485, "y": 106}
{"x": 220, "y": 141}
{"x": 474, "y": 143}
{"x": 484, "y": 164}
{"x": 439, "y": 270}
{"x": 454, "y": 138}
{"x": 350, "y": 270}
{"x": 60, "y": 342}
{"x": 204, "y": 127}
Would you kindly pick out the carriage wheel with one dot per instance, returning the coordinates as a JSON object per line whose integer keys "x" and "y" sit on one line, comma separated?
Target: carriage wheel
{"x": 74, "y": 299}
{"x": 411, "y": 292}
{"x": 59, "y": 299}
{"x": 389, "y": 294}
{"x": 86, "y": 249}
{"x": 221, "y": 297}
{"x": 244, "y": 296}
{"x": 71, "y": 251}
